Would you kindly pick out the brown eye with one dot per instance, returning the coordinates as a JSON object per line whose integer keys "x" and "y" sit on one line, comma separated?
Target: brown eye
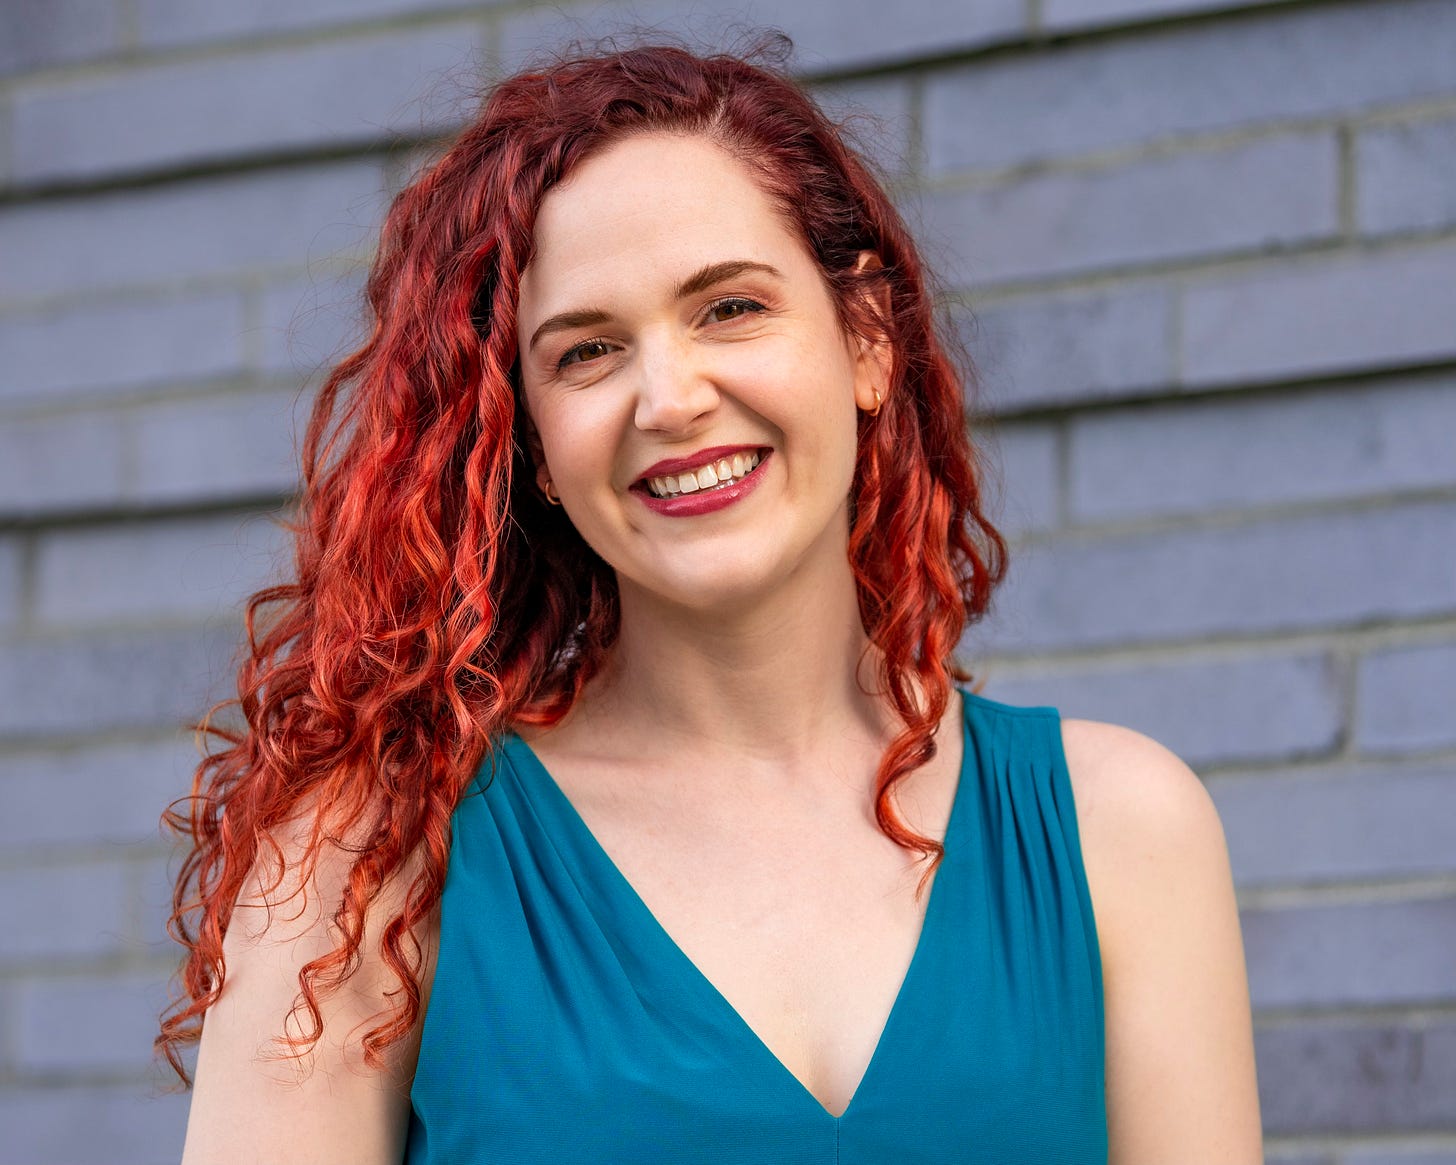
{"x": 732, "y": 309}
{"x": 583, "y": 352}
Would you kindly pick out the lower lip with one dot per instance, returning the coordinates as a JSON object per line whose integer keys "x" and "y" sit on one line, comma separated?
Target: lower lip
{"x": 705, "y": 501}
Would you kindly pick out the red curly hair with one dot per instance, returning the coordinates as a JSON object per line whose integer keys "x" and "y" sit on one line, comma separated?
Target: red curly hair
{"x": 439, "y": 602}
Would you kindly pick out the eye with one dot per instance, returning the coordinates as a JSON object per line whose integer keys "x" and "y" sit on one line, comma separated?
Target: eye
{"x": 584, "y": 352}
{"x": 733, "y": 308}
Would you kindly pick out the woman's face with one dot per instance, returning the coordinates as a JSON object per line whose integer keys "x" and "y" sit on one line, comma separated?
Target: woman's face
{"x": 674, "y": 331}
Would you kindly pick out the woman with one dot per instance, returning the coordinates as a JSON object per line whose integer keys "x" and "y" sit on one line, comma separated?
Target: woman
{"x": 604, "y": 792}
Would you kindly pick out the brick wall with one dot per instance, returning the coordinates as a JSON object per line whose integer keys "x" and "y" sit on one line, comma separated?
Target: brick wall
{"x": 1204, "y": 252}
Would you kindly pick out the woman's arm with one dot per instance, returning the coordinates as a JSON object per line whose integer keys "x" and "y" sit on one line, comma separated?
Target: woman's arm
{"x": 248, "y": 1105}
{"x": 1180, "y": 1050}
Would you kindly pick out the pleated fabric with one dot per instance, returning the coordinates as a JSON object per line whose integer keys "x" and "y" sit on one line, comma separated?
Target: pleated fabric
{"x": 565, "y": 1025}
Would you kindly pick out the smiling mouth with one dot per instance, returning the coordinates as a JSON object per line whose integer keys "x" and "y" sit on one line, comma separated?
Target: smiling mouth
{"x": 711, "y": 475}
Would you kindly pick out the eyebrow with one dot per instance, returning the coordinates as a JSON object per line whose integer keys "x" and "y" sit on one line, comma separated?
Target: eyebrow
{"x": 699, "y": 281}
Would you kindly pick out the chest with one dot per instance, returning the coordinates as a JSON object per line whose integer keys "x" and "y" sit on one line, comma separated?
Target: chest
{"x": 567, "y": 1023}
{"x": 803, "y": 919}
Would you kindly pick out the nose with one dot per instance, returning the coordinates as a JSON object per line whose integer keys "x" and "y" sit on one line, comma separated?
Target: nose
{"x": 674, "y": 392}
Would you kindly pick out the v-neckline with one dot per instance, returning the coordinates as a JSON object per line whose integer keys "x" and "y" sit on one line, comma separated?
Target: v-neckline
{"x": 628, "y": 893}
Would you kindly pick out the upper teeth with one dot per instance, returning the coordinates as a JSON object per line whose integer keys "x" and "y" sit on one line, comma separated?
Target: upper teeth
{"x": 724, "y": 471}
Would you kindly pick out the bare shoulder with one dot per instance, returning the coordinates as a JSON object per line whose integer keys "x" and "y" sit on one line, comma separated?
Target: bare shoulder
{"x": 1135, "y": 798}
{"x": 1180, "y": 1058}
{"x": 328, "y": 1105}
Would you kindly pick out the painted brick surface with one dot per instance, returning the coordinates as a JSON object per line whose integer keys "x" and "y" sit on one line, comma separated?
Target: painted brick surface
{"x": 58, "y": 462}
{"x": 1382, "y": 438}
{"x": 1340, "y": 824}
{"x": 1304, "y": 62}
{"x": 158, "y": 679}
{"x": 1279, "y": 574}
{"x": 1355, "y": 953}
{"x": 1023, "y": 464}
{"x": 828, "y": 34}
{"x": 1076, "y": 14}
{"x": 1347, "y": 313}
{"x": 1407, "y": 698}
{"x": 120, "y": 344}
{"x": 121, "y": 1125}
{"x": 107, "y": 793}
{"x": 1406, "y": 176}
{"x": 123, "y": 572}
{"x": 1209, "y": 711}
{"x": 88, "y": 1023}
{"x": 1204, "y": 202}
{"x": 38, "y": 33}
{"x": 1400, "y": 1155}
{"x": 11, "y": 585}
{"x": 309, "y": 325}
{"x": 329, "y": 95}
{"x": 878, "y": 116}
{"x": 61, "y": 913}
{"x": 1336, "y": 1076}
{"x": 1071, "y": 347}
{"x": 165, "y": 23}
{"x": 214, "y": 226}
{"x": 244, "y": 445}
{"x": 157, "y": 453}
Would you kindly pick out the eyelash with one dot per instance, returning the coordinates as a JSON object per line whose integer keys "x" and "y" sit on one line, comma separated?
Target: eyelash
{"x": 751, "y": 304}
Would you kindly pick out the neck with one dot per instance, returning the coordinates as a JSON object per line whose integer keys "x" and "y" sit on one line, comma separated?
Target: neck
{"x": 775, "y": 679}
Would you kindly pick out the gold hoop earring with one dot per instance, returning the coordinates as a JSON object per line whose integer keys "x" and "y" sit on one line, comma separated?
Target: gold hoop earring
{"x": 874, "y": 412}
{"x": 550, "y": 493}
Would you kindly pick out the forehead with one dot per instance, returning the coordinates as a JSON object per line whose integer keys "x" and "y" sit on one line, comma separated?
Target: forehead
{"x": 642, "y": 214}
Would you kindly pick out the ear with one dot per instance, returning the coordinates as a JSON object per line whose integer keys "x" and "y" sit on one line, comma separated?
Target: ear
{"x": 535, "y": 450}
{"x": 875, "y": 357}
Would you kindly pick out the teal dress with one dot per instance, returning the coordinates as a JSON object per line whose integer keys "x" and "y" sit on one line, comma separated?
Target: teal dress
{"x": 565, "y": 1025}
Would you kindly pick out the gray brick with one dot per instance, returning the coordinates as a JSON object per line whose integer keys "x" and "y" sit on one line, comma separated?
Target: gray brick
{"x": 38, "y": 33}
{"x": 877, "y": 116}
{"x": 1338, "y": 825}
{"x": 77, "y": 1025}
{"x": 1034, "y": 351}
{"x": 179, "y": 22}
{"x": 1201, "y": 455}
{"x": 10, "y": 580}
{"x": 59, "y": 462}
{"x": 1061, "y": 15}
{"x": 1398, "y": 1155}
{"x": 1371, "y": 953}
{"x": 202, "y": 227}
{"x": 309, "y": 326}
{"x": 1275, "y": 574}
{"x": 1316, "y": 61}
{"x": 173, "y": 568}
{"x": 1320, "y": 315}
{"x": 100, "y": 681}
{"x": 1321, "y": 1076}
{"x": 207, "y": 449}
{"x": 240, "y": 445}
{"x": 830, "y": 35}
{"x": 121, "y": 1125}
{"x": 1406, "y": 176}
{"x": 120, "y": 344}
{"x": 1276, "y": 190}
{"x": 111, "y": 793}
{"x": 69, "y": 912}
{"x": 329, "y": 95}
{"x": 1407, "y": 699}
{"x": 1208, "y": 710}
{"x": 1024, "y": 476}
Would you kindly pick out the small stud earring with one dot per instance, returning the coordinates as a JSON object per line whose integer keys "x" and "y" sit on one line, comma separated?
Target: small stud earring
{"x": 550, "y": 493}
